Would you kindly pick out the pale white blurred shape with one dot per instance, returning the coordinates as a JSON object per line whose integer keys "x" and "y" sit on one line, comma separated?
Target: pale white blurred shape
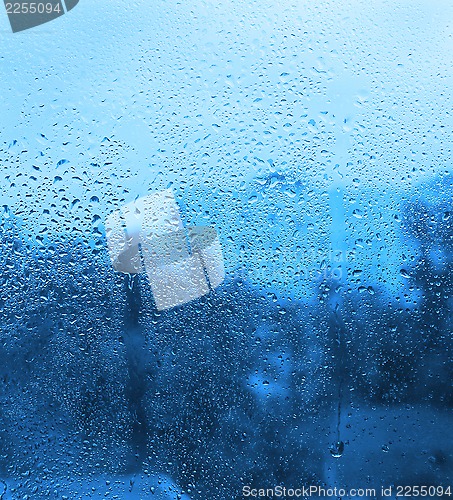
{"x": 147, "y": 235}
{"x": 178, "y": 283}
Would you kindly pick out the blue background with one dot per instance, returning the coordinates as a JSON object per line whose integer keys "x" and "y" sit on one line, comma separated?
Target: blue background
{"x": 316, "y": 139}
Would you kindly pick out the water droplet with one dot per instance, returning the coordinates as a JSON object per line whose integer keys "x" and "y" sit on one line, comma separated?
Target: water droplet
{"x": 404, "y": 274}
{"x": 337, "y": 449}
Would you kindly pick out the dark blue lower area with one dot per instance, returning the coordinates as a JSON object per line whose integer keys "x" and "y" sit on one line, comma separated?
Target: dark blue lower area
{"x": 238, "y": 388}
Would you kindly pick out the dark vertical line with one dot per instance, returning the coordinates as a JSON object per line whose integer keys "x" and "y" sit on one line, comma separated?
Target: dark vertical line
{"x": 136, "y": 386}
{"x": 4, "y": 490}
{"x": 338, "y": 447}
{"x": 340, "y": 381}
{"x": 133, "y": 301}
{"x": 205, "y": 270}
{"x": 338, "y": 228}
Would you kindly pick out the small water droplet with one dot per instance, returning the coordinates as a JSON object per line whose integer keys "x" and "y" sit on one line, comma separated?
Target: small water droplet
{"x": 404, "y": 274}
{"x": 337, "y": 449}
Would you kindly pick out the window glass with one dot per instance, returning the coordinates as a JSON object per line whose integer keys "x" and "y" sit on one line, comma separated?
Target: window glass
{"x": 226, "y": 250}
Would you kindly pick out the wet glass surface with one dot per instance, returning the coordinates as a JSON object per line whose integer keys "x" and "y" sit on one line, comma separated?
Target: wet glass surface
{"x": 315, "y": 142}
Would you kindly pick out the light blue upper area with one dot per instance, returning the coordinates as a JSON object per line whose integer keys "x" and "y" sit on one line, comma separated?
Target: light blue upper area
{"x": 295, "y": 128}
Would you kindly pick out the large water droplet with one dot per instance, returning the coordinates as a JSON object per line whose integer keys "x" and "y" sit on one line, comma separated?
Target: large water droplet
{"x": 337, "y": 449}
